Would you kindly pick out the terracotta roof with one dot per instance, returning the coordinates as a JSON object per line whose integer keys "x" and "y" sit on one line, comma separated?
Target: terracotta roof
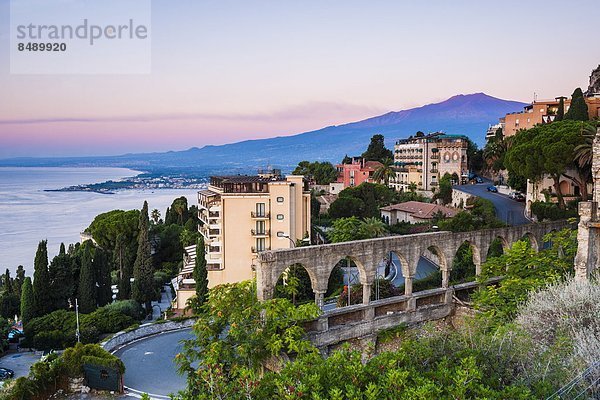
{"x": 421, "y": 210}
{"x": 373, "y": 164}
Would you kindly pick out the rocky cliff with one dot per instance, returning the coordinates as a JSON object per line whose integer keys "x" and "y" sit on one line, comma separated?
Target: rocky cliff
{"x": 594, "y": 87}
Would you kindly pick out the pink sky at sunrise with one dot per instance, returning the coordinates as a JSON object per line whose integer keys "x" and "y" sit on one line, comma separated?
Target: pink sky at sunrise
{"x": 228, "y": 71}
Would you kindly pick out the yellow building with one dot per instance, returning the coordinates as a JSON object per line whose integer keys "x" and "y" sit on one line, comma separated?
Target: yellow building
{"x": 244, "y": 215}
{"x": 241, "y": 216}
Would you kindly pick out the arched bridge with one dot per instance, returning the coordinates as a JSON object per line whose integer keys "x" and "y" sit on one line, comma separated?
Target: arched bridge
{"x": 319, "y": 261}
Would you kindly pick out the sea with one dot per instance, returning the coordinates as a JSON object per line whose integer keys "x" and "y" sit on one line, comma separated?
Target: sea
{"x": 29, "y": 214}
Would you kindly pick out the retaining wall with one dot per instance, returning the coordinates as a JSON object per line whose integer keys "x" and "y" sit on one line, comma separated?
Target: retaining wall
{"x": 120, "y": 339}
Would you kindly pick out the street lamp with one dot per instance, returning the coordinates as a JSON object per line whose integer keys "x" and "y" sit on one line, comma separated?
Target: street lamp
{"x": 305, "y": 240}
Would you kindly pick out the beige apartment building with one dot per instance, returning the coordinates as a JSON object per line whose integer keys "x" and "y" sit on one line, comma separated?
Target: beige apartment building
{"x": 423, "y": 159}
{"x": 242, "y": 216}
{"x": 245, "y": 215}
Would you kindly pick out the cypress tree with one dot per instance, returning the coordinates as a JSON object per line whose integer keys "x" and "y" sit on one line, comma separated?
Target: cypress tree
{"x": 560, "y": 114}
{"x": 7, "y": 282}
{"x": 578, "y": 110}
{"x": 19, "y": 280}
{"x": 61, "y": 280}
{"x": 143, "y": 272}
{"x": 122, "y": 259}
{"x": 27, "y": 306}
{"x": 102, "y": 268}
{"x": 87, "y": 281}
{"x": 200, "y": 273}
{"x": 41, "y": 295}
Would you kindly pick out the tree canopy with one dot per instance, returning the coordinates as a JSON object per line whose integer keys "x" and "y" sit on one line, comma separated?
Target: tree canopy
{"x": 578, "y": 110}
{"x": 377, "y": 150}
{"x": 323, "y": 173}
{"x": 545, "y": 149}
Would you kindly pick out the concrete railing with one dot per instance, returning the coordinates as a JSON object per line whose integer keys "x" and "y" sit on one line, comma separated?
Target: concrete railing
{"x": 362, "y": 320}
{"x": 123, "y": 338}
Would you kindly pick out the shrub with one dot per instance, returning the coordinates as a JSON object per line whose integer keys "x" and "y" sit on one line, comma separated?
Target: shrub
{"x": 570, "y": 308}
{"x": 106, "y": 320}
{"x": 550, "y": 211}
{"x": 128, "y": 307}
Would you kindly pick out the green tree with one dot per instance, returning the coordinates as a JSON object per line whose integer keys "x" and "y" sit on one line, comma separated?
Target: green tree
{"x": 578, "y": 110}
{"x": 444, "y": 192}
{"x": 372, "y": 227}
{"x": 8, "y": 282}
{"x": 27, "y": 301}
{"x": 560, "y": 113}
{"x": 87, "y": 295}
{"x": 61, "y": 280}
{"x": 200, "y": 273}
{"x": 155, "y": 215}
{"x": 178, "y": 213}
{"x": 143, "y": 270}
{"x": 19, "y": 279}
{"x": 366, "y": 200}
{"x": 546, "y": 149}
{"x": 102, "y": 268}
{"x": 322, "y": 173}
{"x": 9, "y": 305}
{"x": 385, "y": 171}
{"x": 346, "y": 229}
{"x": 377, "y": 150}
{"x": 123, "y": 256}
{"x": 41, "y": 281}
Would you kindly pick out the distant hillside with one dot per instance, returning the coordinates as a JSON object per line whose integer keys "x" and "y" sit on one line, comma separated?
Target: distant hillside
{"x": 462, "y": 114}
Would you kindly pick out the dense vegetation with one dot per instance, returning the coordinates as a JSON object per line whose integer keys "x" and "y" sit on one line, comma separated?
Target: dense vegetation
{"x": 127, "y": 244}
{"x": 497, "y": 355}
{"x": 51, "y": 374}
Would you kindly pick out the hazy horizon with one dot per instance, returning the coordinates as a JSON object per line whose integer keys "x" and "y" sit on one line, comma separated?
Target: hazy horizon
{"x": 226, "y": 72}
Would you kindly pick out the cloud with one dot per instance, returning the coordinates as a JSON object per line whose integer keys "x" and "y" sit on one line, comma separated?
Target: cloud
{"x": 313, "y": 110}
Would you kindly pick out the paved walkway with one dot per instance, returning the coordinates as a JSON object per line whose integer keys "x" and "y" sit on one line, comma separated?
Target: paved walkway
{"x": 164, "y": 303}
{"x": 19, "y": 362}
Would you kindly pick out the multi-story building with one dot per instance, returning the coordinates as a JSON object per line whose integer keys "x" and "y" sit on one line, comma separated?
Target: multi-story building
{"x": 356, "y": 171}
{"x": 245, "y": 215}
{"x": 543, "y": 112}
{"x": 423, "y": 159}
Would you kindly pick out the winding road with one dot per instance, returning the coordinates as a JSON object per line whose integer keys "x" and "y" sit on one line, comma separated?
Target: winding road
{"x": 150, "y": 365}
{"x": 507, "y": 209}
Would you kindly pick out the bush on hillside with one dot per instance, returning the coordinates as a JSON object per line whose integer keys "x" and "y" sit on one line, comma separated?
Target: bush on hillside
{"x": 550, "y": 211}
{"x": 570, "y": 308}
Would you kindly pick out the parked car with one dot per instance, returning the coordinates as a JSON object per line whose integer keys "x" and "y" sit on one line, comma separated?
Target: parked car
{"x": 513, "y": 195}
{"x": 6, "y": 373}
{"x": 478, "y": 180}
{"x": 520, "y": 197}
{"x": 492, "y": 189}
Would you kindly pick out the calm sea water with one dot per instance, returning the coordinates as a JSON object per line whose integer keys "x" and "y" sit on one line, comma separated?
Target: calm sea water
{"x": 28, "y": 214}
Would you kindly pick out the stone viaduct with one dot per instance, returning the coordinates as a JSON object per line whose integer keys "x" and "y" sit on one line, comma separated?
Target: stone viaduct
{"x": 319, "y": 261}
{"x": 364, "y": 321}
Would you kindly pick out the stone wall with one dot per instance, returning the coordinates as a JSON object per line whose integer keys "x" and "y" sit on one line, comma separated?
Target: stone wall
{"x": 120, "y": 339}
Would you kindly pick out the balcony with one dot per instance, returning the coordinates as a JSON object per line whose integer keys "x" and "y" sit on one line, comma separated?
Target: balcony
{"x": 257, "y": 215}
{"x": 255, "y": 250}
{"x": 434, "y": 170}
{"x": 264, "y": 232}
{"x": 433, "y": 184}
{"x": 434, "y": 156}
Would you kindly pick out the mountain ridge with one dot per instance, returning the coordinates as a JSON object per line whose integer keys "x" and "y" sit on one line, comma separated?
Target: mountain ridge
{"x": 468, "y": 114}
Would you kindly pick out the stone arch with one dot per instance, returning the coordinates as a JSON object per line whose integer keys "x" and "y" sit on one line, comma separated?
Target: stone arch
{"x": 435, "y": 249}
{"x": 475, "y": 258}
{"x": 532, "y": 240}
{"x": 405, "y": 268}
{"x": 503, "y": 241}
{"x": 348, "y": 277}
{"x": 300, "y": 272}
{"x": 282, "y": 267}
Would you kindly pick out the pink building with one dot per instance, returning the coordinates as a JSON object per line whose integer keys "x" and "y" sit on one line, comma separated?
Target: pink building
{"x": 357, "y": 171}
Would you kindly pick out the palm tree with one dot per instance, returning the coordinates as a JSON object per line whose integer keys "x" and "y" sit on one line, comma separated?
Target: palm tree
{"x": 583, "y": 152}
{"x": 155, "y": 215}
{"x": 385, "y": 172}
{"x": 372, "y": 227}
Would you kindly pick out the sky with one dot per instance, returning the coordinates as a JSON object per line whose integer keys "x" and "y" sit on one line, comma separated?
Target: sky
{"x": 224, "y": 71}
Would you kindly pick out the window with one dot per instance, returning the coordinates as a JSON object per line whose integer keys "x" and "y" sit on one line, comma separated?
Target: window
{"x": 260, "y": 209}
{"x": 280, "y": 199}
{"x": 280, "y": 234}
{"x": 280, "y": 217}
{"x": 260, "y": 227}
{"x": 260, "y": 244}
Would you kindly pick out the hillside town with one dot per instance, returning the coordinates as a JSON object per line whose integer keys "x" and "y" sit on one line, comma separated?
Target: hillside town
{"x": 423, "y": 265}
